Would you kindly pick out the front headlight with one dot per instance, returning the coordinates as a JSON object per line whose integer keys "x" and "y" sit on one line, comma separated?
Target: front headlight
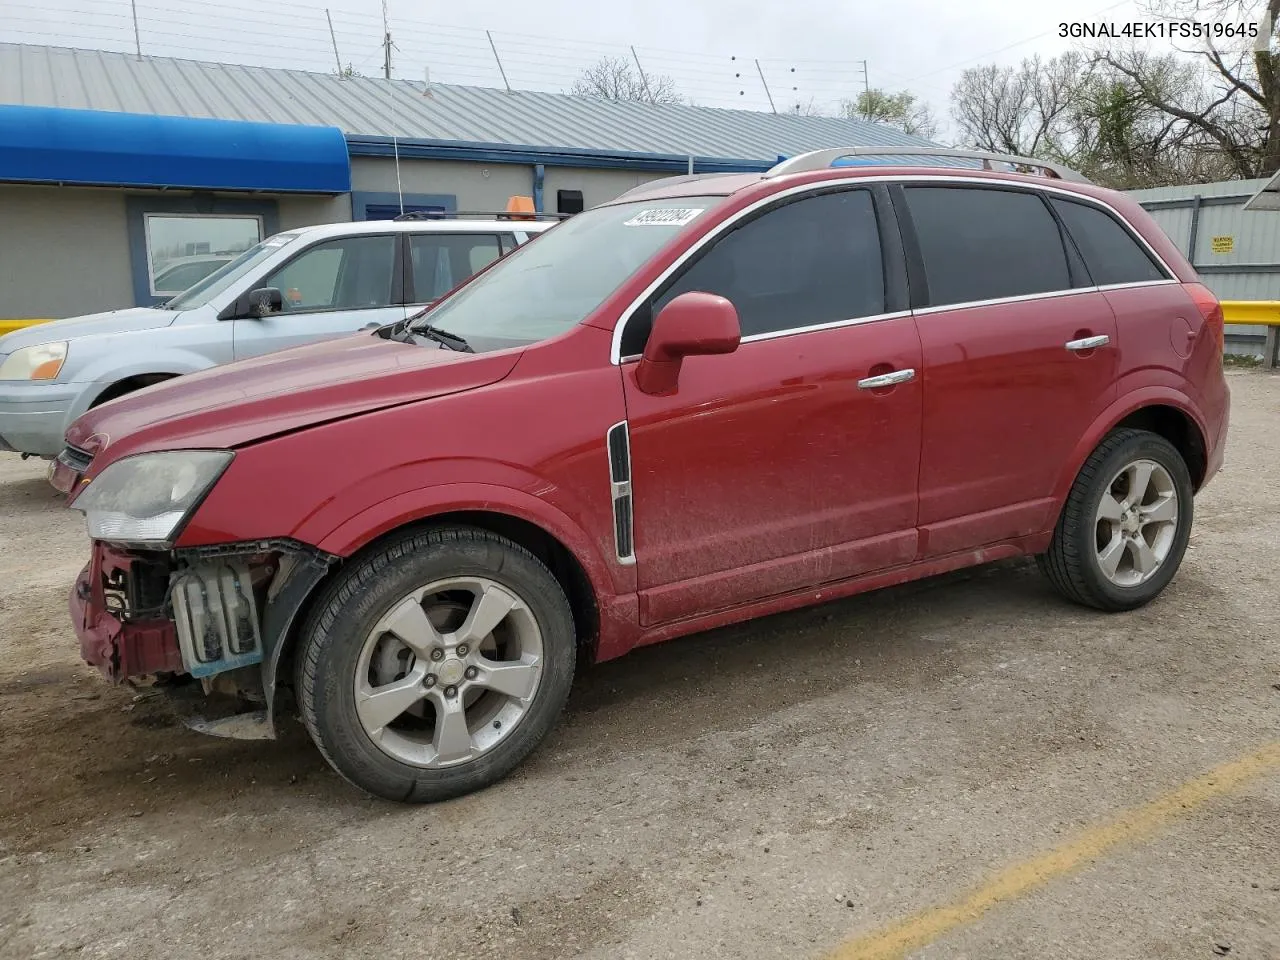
{"x": 145, "y": 498}
{"x": 42, "y": 362}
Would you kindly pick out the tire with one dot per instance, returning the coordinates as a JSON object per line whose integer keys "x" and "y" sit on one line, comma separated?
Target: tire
{"x": 1074, "y": 562}
{"x": 345, "y": 645}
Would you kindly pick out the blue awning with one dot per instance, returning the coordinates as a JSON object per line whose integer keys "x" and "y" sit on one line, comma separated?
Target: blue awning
{"x": 102, "y": 148}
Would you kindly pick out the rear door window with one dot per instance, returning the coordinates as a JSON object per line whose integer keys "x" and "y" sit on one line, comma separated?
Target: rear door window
{"x": 441, "y": 261}
{"x": 1110, "y": 251}
{"x": 984, "y": 244}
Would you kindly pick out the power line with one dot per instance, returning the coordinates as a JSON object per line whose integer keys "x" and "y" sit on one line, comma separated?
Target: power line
{"x": 464, "y": 52}
{"x": 1016, "y": 43}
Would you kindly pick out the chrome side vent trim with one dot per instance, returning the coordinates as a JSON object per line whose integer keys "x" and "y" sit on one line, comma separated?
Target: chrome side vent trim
{"x": 619, "y": 443}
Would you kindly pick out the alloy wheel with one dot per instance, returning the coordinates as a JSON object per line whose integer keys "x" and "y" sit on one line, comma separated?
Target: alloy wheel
{"x": 1136, "y": 523}
{"x": 448, "y": 672}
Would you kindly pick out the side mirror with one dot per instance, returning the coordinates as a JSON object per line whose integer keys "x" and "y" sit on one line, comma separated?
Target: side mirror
{"x": 693, "y": 324}
{"x": 264, "y": 302}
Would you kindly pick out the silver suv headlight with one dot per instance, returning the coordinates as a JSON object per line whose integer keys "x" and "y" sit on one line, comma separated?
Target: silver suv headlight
{"x": 41, "y": 362}
{"x": 144, "y": 499}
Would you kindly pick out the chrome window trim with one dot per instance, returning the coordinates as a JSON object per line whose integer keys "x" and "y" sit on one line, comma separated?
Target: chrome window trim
{"x": 812, "y": 328}
{"x": 832, "y": 325}
{"x": 1136, "y": 283}
{"x": 996, "y": 301}
{"x": 615, "y": 346}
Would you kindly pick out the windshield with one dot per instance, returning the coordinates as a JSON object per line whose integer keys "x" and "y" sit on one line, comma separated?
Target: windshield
{"x": 554, "y": 282}
{"x": 223, "y": 277}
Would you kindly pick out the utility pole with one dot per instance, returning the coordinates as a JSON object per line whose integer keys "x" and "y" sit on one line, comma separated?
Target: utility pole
{"x": 766, "y": 87}
{"x": 502, "y": 71}
{"x": 643, "y": 79}
{"x": 334, "y": 40}
{"x": 866, "y": 86}
{"x": 386, "y": 43}
{"x": 137, "y": 39}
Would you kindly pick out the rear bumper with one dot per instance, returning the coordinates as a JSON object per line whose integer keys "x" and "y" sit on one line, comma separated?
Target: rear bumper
{"x": 1218, "y": 440}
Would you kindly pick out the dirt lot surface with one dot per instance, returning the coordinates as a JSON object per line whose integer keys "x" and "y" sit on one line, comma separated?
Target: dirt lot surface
{"x": 779, "y": 789}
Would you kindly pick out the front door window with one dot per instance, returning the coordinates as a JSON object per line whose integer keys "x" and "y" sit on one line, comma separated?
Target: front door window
{"x": 350, "y": 273}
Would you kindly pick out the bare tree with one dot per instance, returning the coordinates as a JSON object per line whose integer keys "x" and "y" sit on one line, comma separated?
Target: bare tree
{"x": 902, "y": 110}
{"x": 614, "y": 78}
{"x": 1103, "y": 120}
{"x": 1238, "y": 109}
{"x": 1024, "y": 110}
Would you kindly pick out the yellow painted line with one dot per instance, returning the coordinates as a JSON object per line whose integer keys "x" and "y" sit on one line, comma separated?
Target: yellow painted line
{"x": 897, "y": 939}
{"x": 8, "y": 326}
{"x": 1261, "y": 313}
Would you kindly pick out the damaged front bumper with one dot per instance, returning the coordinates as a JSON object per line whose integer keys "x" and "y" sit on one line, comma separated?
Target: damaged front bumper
{"x": 220, "y": 614}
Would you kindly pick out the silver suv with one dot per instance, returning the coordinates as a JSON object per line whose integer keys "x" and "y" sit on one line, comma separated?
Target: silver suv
{"x": 295, "y": 287}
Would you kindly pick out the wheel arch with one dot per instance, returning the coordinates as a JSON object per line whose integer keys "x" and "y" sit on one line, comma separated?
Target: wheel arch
{"x": 1161, "y": 410}
{"x": 1179, "y": 428}
{"x": 563, "y": 562}
{"x": 127, "y": 385}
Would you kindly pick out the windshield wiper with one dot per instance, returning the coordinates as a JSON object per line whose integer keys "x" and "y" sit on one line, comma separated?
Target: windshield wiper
{"x": 443, "y": 337}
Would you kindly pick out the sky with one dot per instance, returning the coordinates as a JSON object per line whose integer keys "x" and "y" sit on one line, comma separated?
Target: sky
{"x": 810, "y": 51}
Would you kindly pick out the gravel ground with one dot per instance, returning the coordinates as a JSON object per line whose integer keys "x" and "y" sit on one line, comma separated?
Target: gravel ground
{"x": 768, "y": 790}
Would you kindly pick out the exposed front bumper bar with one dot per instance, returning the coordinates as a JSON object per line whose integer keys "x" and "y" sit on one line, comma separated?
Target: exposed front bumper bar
{"x": 237, "y": 604}
{"x": 120, "y": 650}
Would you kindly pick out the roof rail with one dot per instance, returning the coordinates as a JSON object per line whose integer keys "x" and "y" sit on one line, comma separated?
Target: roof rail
{"x": 487, "y": 214}
{"x": 822, "y": 159}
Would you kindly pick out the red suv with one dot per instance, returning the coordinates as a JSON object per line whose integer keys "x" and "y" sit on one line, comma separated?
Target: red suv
{"x": 715, "y": 398}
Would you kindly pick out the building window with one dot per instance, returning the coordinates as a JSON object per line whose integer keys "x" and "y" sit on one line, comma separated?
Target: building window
{"x": 182, "y": 249}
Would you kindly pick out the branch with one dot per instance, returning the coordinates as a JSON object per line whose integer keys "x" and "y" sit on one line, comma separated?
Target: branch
{"x": 1201, "y": 120}
{"x": 1237, "y": 84}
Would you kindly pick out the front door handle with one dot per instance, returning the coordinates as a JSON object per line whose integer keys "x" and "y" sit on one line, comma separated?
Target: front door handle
{"x": 887, "y": 379}
{"x": 1089, "y": 343}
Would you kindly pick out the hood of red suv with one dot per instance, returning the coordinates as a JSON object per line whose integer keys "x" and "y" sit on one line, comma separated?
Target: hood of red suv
{"x": 279, "y": 393}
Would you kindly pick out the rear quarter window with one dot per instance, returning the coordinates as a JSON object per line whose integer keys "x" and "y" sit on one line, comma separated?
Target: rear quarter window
{"x": 1111, "y": 253}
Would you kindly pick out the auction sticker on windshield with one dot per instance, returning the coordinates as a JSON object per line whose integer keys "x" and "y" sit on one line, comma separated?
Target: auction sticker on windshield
{"x": 665, "y": 217}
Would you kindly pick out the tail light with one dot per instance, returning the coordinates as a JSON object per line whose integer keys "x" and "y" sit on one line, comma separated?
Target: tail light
{"x": 1210, "y": 311}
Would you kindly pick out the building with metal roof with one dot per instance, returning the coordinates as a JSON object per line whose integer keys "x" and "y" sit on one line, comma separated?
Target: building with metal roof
{"x": 370, "y": 110}
{"x": 103, "y": 152}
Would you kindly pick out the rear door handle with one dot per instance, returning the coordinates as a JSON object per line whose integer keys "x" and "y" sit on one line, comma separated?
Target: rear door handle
{"x": 1089, "y": 343}
{"x": 887, "y": 379}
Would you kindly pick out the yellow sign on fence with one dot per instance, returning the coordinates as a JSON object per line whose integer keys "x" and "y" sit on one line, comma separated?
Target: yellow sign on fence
{"x": 1223, "y": 244}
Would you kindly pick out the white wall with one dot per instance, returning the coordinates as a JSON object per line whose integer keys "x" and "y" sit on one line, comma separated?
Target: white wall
{"x": 477, "y": 186}
{"x": 308, "y": 211}
{"x": 63, "y": 251}
{"x": 597, "y": 186}
{"x": 488, "y": 186}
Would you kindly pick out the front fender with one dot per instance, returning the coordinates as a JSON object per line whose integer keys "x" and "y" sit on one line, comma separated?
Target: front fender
{"x": 1126, "y": 404}
{"x": 171, "y": 363}
{"x": 607, "y": 579}
{"x": 174, "y": 361}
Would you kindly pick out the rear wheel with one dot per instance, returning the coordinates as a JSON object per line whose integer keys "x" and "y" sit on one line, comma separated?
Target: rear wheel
{"x": 435, "y": 665}
{"x": 1124, "y": 528}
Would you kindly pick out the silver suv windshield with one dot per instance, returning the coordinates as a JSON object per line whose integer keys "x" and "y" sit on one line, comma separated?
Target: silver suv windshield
{"x": 556, "y": 280}
{"x": 222, "y": 278}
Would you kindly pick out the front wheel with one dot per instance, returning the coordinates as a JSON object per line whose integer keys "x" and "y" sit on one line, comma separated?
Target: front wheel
{"x": 1125, "y": 525}
{"x": 435, "y": 665}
